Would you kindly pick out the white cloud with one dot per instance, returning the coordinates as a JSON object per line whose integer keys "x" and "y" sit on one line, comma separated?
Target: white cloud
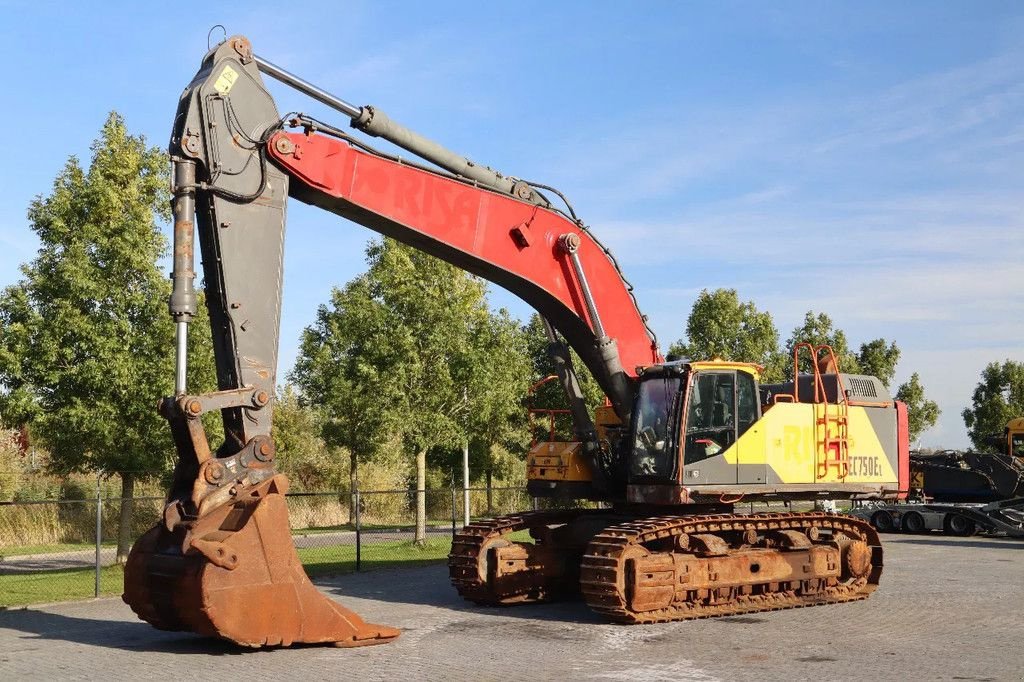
{"x": 899, "y": 213}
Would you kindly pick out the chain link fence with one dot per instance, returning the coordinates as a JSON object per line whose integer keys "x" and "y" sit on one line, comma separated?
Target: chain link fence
{"x": 67, "y": 549}
{"x": 57, "y": 550}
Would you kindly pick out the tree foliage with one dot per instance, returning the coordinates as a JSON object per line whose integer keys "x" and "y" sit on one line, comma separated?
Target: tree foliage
{"x": 721, "y": 326}
{"x": 499, "y": 352}
{"x": 921, "y": 412}
{"x": 86, "y": 334}
{"x": 817, "y": 329}
{"x": 348, "y": 366}
{"x": 411, "y": 347}
{"x": 879, "y": 359}
{"x": 85, "y": 338}
{"x": 998, "y": 398}
{"x": 302, "y": 453}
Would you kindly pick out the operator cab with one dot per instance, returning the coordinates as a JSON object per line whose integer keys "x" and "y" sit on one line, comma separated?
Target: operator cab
{"x": 687, "y": 412}
{"x": 1015, "y": 437}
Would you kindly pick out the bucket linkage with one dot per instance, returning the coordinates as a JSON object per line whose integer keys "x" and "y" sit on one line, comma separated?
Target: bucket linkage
{"x": 222, "y": 562}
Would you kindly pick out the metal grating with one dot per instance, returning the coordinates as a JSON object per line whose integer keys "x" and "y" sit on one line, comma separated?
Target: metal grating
{"x": 863, "y": 387}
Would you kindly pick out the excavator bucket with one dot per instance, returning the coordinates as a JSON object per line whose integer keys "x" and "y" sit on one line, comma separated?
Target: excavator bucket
{"x": 235, "y": 574}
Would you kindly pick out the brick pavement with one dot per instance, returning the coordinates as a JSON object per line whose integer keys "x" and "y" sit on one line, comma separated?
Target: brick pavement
{"x": 948, "y": 609}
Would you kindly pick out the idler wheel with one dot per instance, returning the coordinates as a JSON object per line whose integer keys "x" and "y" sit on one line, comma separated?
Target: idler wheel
{"x": 857, "y": 559}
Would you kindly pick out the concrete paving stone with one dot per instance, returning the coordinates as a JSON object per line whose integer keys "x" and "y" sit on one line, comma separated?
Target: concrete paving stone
{"x": 947, "y": 609}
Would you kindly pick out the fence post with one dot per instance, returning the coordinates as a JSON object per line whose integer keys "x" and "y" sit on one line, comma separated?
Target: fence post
{"x": 454, "y": 511}
{"x": 99, "y": 532}
{"x": 356, "y": 502}
{"x": 465, "y": 484}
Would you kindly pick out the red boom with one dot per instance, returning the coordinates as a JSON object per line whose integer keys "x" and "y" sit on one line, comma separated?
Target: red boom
{"x": 512, "y": 243}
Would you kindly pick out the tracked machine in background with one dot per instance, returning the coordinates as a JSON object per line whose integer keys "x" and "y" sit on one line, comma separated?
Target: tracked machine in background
{"x": 677, "y": 445}
{"x": 961, "y": 492}
{"x": 971, "y": 476}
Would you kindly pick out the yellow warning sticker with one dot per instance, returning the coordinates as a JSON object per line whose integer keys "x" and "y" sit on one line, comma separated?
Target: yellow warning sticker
{"x": 226, "y": 80}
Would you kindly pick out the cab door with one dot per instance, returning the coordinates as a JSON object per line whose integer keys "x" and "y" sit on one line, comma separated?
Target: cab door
{"x": 710, "y": 428}
{"x": 751, "y": 466}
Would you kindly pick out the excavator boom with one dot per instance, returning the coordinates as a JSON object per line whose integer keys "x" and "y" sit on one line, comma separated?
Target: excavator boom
{"x": 221, "y": 561}
{"x": 702, "y": 434}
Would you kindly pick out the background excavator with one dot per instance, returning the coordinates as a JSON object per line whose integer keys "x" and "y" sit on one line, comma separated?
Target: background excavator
{"x": 677, "y": 444}
{"x": 961, "y": 492}
{"x": 973, "y": 476}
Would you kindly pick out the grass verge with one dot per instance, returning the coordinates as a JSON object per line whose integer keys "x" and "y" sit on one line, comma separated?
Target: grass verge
{"x": 336, "y": 559}
{"x": 38, "y": 587}
{"x": 53, "y": 548}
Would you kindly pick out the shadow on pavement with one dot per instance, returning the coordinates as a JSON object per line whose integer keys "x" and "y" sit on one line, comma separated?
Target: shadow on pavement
{"x": 429, "y": 586}
{"x": 39, "y": 625}
{"x": 422, "y": 586}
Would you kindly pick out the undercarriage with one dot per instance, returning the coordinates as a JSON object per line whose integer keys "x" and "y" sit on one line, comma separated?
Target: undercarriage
{"x": 635, "y": 568}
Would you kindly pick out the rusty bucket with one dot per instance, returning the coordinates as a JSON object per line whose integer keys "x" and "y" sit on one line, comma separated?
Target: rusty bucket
{"x": 234, "y": 573}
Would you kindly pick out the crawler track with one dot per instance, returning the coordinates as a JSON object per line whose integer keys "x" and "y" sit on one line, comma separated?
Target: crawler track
{"x": 488, "y": 568}
{"x": 603, "y": 571}
{"x": 467, "y": 562}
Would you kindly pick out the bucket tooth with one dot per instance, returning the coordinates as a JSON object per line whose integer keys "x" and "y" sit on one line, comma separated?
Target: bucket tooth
{"x": 240, "y": 579}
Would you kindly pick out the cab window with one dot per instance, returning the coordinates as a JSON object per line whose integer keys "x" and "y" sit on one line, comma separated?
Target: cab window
{"x": 746, "y": 402}
{"x": 655, "y": 420}
{"x": 711, "y": 415}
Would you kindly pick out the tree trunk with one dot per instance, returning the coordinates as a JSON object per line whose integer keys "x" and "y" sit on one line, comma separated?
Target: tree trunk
{"x": 124, "y": 523}
{"x": 353, "y": 481}
{"x": 421, "y": 496}
{"x": 490, "y": 499}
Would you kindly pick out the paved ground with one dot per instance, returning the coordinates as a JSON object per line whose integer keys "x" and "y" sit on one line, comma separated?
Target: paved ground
{"x": 948, "y": 609}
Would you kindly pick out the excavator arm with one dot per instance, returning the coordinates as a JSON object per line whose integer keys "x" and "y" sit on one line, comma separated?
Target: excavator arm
{"x": 221, "y": 561}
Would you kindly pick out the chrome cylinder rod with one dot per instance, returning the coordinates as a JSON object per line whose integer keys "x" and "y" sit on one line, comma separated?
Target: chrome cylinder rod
{"x": 306, "y": 87}
{"x": 375, "y": 122}
{"x": 570, "y": 243}
{"x": 181, "y": 357}
{"x": 182, "y": 303}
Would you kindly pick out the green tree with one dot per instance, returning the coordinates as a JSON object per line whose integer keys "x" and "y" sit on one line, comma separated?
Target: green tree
{"x": 85, "y": 338}
{"x": 879, "y": 359}
{"x": 721, "y": 326}
{"x": 413, "y": 342}
{"x": 348, "y": 365}
{"x": 921, "y": 412}
{"x": 497, "y": 384}
{"x": 998, "y": 398}
{"x": 302, "y": 453}
{"x": 817, "y": 329}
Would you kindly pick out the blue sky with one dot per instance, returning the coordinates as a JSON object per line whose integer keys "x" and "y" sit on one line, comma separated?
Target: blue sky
{"x": 862, "y": 159}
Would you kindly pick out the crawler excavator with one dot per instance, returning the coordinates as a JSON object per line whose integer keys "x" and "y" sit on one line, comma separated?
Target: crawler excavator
{"x": 676, "y": 446}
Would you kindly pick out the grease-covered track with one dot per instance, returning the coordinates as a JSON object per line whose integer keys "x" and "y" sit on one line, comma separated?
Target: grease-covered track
{"x": 653, "y": 569}
{"x": 710, "y": 565}
{"x": 474, "y": 570}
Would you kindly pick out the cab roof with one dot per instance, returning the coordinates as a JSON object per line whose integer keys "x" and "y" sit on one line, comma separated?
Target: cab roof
{"x": 707, "y": 365}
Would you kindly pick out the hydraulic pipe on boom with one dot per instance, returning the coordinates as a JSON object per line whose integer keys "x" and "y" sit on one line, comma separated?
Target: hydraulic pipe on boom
{"x": 183, "y": 296}
{"x": 373, "y": 121}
